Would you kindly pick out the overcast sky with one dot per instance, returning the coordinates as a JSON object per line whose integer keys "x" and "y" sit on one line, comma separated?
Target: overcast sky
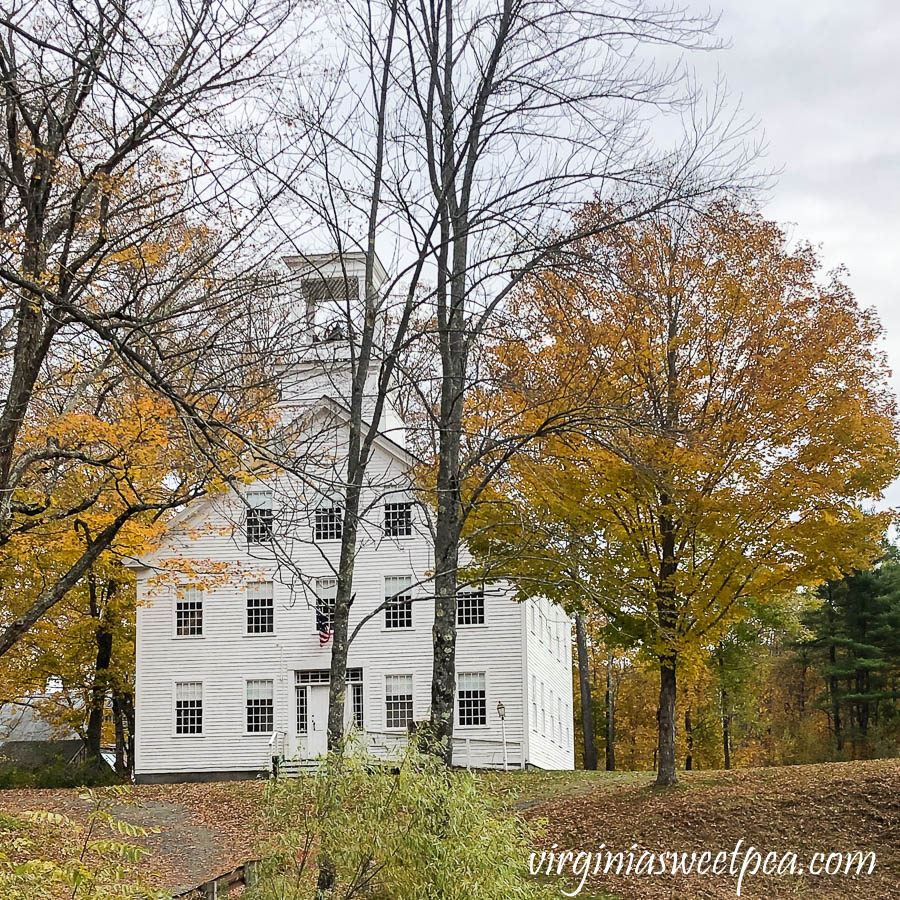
{"x": 823, "y": 78}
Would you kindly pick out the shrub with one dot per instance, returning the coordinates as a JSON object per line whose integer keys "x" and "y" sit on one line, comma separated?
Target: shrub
{"x": 58, "y": 775}
{"x": 46, "y": 855}
{"x": 414, "y": 832}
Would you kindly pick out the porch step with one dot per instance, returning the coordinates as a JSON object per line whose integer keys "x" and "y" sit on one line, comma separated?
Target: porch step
{"x": 293, "y": 768}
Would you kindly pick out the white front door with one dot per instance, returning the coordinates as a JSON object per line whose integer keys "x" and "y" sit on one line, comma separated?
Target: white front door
{"x": 317, "y": 742}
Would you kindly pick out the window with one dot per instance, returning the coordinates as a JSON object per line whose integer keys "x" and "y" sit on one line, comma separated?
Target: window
{"x": 398, "y": 519}
{"x": 302, "y": 709}
{"x": 534, "y": 704}
{"x": 260, "y": 706}
{"x": 398, "y": 701}
{"x": 543, "y": 711}
{"x": 189, "y": 613}
{"x": 559, "y": 714}
{"x": 398, "y": 594}
{"x": 472, "y": 698}
{"x": 552, "y": 717}
{"x": 326, "y": 594}
{"x": 260, "y": 608}
{"x": 356, "y": 697}
{"x": 329, "y": 524}
{"x": 188, "y": 707}
{"x": 470, "y": 607}
{"x": 259, "y": 517}
{"x": 533, "y": 626}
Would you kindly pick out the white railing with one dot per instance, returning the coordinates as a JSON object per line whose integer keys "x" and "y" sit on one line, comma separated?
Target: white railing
{"x": 276, "y": 748}
{"x": 470, "y": 751}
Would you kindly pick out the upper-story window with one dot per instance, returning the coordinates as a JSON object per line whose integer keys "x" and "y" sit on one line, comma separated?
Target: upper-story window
{"x": 470, "y": 607}
{"x": 398, "y": 519}
{"x": 259, "y": 517}
{"x": 260, "y": 608}
{"x": 328, "y": 524}
{"x": 189, "y": 613}
{"x": 398, "y": 595}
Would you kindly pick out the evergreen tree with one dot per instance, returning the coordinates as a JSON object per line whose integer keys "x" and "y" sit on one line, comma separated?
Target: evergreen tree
{"x": 856, "y": 644}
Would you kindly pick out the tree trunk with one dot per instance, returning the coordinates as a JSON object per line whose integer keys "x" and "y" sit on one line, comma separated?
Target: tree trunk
{"x": 104, "y": 640}
{"x": 610, "y": 716}
{"x": 448, "y": 528}
{"x": 689, "y": 737}
{"x": 128, "y": 705}
{"x": 119, "y": 720}
{"x": 666, "y": 714}
{"x": 726, "y": 731}
{"x": 584, "y": 684}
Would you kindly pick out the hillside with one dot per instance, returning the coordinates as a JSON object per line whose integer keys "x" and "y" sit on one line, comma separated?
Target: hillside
{"x": 805, "y": 809}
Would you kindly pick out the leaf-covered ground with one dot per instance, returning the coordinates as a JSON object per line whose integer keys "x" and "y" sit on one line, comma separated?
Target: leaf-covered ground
{"x": 209, "y": 828}
{"x": 804, "y": 809}
{"x": 205, "y": 829}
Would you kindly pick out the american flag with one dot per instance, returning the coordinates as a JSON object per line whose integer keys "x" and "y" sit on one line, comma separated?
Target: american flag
{"x": 324, "y": 633}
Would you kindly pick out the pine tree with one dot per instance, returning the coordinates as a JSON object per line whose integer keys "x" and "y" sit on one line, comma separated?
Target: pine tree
{"x": 856, "y": 637}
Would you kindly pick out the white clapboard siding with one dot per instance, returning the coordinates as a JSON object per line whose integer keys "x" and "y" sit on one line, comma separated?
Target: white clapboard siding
{"x": 225, "y": 657}
{"x": 550, "y": 737}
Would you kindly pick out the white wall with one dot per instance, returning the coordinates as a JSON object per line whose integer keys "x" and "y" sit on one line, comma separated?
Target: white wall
{"x": 548, "y": 686}
{"x": 224, "y": 657}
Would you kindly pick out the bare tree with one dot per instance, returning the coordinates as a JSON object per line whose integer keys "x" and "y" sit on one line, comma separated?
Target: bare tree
{"x": 466, "y": 133}
{"x": 127, "y": 252}
{"x": 514, "y": 111}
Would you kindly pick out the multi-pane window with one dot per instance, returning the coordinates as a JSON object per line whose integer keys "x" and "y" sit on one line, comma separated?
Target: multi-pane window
{"x": 398, "y": 701}
{"x": 188, "y": 707}
{"x": 472, "y": 698}
{"x": 302, "y": 708}
{"x": 533, "y": 626}
{"x": 470, "y": 607}
{"x": 543, "y": 710}
{"x": 356, "y": 696}
{"x": 260, "y": 706}
{"x": 398, "y": 594}
{"x": 552, "y": 717}
{"x": 398, "y": 519}
{"x": 328, "y": 523}
{"x": 534, "y": 704}
{"x": 260, "y": 608}
{"x": 259, "y": 517}
{"x": 189, "y": 613}
{"x": 326, "y": 594}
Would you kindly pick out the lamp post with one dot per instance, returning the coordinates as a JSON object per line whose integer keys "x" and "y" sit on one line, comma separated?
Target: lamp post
{"x": 501, "y": 711}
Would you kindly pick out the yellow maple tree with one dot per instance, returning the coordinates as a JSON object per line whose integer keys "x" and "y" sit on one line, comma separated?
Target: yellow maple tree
{"x": 730, "y": 427}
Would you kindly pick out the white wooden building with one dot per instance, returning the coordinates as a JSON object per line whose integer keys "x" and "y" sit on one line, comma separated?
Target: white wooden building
{"x": 232, "y": 623}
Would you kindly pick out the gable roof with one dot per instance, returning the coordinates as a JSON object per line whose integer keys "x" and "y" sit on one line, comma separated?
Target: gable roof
{"x": 23, "y": 722}
{"x": 323, "y": 405}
